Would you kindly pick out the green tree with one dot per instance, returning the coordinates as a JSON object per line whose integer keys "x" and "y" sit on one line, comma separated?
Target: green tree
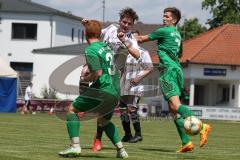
{"x": 223, "y": 11}
{"x": 191, "y": 28}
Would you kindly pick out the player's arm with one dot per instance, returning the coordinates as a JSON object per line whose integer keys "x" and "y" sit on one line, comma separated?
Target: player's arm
{"x": 147, "y": 66}
{"x": 92, "y": 76}
{"x": 155, "y": 35}
{"x": 142, "y": 38}
{"x": 132, "y": 50}
{"x": 135, "y": 81}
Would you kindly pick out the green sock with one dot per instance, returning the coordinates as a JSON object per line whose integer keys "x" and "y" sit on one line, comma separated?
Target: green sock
{"x": 112, "y": 133}
{"x": 184, "y": 111}
{"x": 73, "y": 125}
{"x": 179, "y": 122}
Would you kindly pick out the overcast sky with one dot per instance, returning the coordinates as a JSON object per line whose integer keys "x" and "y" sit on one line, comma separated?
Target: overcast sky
{"x": 149, "y": 11}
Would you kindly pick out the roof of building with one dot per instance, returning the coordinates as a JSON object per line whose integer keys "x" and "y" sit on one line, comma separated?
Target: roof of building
{"x": 219, "y": 46}
{"x": 75, "y": 49}
{"x": 27, "y": 6}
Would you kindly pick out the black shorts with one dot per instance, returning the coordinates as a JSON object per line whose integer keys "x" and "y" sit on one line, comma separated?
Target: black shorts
{"x": 27, "y": 103}
{"x": 127, "y": 101}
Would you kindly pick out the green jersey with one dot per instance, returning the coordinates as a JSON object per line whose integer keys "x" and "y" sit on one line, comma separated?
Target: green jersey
{"x": 169, "y": 45}
{"x": 100, "y": 57}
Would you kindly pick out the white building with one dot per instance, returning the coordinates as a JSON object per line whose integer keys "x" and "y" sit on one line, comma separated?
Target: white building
{"x": 212, "y": 67}
{"x": 25, "y": 25}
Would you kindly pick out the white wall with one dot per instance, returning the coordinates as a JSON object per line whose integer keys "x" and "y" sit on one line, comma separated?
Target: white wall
{"x": 44, "y": 65}
{"x": 197, "y": 71}
{"x": 21, "y": 49}
{"x": 213, "y": 93}
{"x": 63, "y": 31}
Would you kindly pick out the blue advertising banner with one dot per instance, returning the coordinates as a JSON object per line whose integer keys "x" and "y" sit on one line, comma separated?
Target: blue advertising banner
{"x": 214, "y": 72}
{"x": 8, "y": 94}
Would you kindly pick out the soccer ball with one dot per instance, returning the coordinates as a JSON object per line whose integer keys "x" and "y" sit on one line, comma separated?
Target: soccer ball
{"x": 192, "y": 125}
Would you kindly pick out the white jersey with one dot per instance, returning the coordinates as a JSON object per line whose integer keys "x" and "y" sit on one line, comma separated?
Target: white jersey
{"x": 109, "y": 36}
{"x": 28, "y": 93}
{"x": 133, "y": 68}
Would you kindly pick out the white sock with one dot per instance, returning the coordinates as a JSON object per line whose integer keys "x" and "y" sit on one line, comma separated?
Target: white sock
{"x": 75, "y": 142}
{"x": 119, "y": 145}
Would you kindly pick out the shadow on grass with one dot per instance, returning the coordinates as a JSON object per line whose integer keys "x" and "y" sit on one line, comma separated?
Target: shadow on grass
{"x": 104, "y": 148}
{"x": 94, "y": 156}
{"x": 157, "y": 150}
{"x": 179, "y": 156}
{"x": 3, "y": 157}
{"x": 87, "y": 156}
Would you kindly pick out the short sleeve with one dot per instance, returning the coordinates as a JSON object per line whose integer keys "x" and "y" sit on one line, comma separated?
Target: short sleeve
{"x": 132, "y": 40}
{"x": 146, "y": 60}
{"x": 157, "y": 34}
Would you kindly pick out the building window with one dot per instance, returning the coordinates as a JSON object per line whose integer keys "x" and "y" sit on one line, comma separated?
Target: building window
{"x": 72, "y": 34}
{"x": 225, "y": 94}
{"x": 24, "y": 71}
{"x": 24, "y": 31}
{"x": 82, "y": 36}
{"x": 79, "y": 36}
{"x": 233, "y": 91}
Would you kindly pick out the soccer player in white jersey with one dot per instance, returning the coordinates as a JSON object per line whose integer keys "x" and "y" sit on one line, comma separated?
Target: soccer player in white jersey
{"x": 131, "y": 92}
{"x": 27, "y": 97}
{"x": 122, "y": 47}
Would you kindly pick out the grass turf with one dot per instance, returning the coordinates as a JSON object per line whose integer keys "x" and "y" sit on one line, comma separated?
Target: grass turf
{"x": 41, "y": 137}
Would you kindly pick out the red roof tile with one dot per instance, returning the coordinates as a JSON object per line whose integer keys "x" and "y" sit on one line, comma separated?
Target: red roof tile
{"x": 219, "y": 46}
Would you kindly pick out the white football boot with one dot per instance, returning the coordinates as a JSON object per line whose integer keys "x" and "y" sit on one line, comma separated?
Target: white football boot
{"x": 70, "y": 152}
{"x": 122, "y": 153}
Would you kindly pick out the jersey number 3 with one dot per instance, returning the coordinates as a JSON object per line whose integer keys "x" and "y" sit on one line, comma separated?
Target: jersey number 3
{"x": 112, "y": 69}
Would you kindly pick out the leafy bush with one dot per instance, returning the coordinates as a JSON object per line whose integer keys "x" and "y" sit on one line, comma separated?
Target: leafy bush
{"x": 48, "y": 93}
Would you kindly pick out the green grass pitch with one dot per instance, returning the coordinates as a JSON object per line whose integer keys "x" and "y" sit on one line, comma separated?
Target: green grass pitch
{"x": 41, "y": 137}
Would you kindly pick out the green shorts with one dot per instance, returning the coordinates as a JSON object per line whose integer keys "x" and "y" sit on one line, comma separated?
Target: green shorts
{"x": 96, "y": 103}
{"x": 171, "y": 82}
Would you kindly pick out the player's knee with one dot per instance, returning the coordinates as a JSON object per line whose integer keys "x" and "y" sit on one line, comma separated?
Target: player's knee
{"x": 174, "y": 107}
{"x": 71, "y": 109}
{"x": 102, "y": 122}
{"x": 174, "y": 103}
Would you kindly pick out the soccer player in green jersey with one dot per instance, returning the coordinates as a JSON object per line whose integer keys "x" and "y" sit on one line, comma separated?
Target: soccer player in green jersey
{"x": 171, "y": 78}
{"x": 102, "y": 93}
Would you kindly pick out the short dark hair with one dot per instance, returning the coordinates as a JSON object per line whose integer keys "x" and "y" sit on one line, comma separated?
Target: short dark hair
{"x": 93, "y": 29}
{"x": 128, "y": 12}
{"x": 175, "y": 11}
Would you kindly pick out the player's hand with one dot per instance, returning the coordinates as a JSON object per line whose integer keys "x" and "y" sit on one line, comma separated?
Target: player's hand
{"x": 85, "y": 21}
{"x": 135, "y": 81}
{"x": 121, "y": 36}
